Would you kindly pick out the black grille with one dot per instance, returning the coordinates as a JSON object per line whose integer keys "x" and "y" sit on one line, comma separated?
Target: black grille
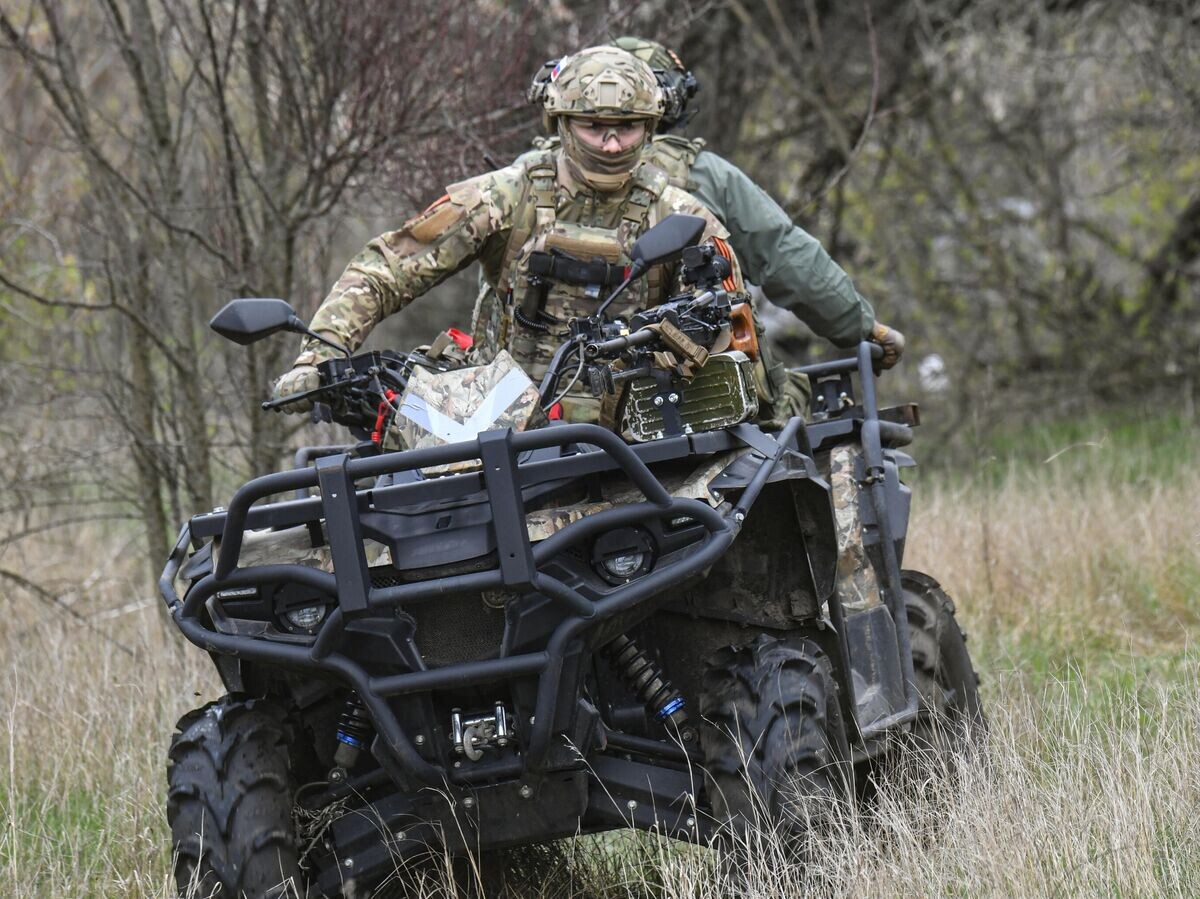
{"x": 457, "y": 629}
{"x": 450, "y": 629}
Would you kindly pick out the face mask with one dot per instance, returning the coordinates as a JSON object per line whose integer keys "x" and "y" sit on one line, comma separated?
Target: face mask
{"x": 601, "y": 171}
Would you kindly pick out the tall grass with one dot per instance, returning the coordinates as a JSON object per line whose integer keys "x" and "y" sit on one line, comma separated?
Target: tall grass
{"x": 1081, "y": 591}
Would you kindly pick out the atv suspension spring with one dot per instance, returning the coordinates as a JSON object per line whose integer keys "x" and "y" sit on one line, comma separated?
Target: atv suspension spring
{"x": 353, "y": 731}
{"x": 649, "y": 684}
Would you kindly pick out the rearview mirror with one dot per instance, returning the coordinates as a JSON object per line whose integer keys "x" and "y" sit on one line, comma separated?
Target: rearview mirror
{"x": 667, "y": 240}
{"x": 248, "y": 320}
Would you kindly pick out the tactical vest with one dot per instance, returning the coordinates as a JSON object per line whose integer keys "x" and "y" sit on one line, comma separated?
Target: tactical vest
{"x": 494, "y": 318}
{"x": 535, "y": 305}
{"x": 675, "y": 155}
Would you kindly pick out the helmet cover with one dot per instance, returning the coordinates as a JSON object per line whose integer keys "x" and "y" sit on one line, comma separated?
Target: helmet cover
{"x": 678, "y": 84}
{"x": 603, "y": 82}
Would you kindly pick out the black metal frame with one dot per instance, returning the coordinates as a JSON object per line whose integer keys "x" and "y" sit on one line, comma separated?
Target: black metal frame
{"x": 520, "y": 566}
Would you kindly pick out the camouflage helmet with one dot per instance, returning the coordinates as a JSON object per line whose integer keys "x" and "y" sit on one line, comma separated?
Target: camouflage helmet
{"x": 604, "y": 82}
{"x": 678, "y": 84}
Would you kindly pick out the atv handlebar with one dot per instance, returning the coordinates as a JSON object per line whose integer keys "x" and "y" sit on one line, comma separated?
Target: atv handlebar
{"x": 838, "y": 366}
{"x": 270, "y": 405}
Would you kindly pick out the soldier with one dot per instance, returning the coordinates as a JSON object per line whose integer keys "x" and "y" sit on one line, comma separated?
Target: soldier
{"x": 590, "y": 197}
{"x": 789, "y": 264}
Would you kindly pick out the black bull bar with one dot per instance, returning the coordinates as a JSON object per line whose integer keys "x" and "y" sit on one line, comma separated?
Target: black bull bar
{"x": 518, "y": 569}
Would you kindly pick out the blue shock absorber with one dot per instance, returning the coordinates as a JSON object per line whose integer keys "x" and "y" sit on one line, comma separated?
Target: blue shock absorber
{"x": 673, "y": 705}
{"x": 353, "y": 732}
{"x": 647, "y": 681}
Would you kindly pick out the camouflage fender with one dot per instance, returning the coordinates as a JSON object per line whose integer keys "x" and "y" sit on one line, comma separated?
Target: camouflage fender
{"x": 619, "y": 492}
{"x": 857, "y": 584}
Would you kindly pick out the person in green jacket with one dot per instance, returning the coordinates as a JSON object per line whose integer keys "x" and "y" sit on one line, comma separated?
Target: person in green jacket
{"x": 787, "y": 262}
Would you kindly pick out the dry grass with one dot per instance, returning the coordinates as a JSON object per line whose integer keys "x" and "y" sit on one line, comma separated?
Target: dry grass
{"x": 1081, "y": 597}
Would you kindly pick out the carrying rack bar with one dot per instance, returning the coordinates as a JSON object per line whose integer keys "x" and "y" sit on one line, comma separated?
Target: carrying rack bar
{"x": 520, "y": 570}
{"x": 468, "y": 484}
{"x": 872, "y": 445}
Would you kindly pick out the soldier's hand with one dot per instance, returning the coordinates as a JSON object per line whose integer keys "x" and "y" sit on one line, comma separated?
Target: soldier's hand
{"x": 892, "y": 342}
{"x": 300, "y": 379}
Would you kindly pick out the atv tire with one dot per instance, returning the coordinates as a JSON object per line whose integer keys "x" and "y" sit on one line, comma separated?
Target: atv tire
{"x": 229, "y": 802}
{"x": 950, "y": 716}
{"x": 950, "y": 724}
{"x": 774, "y": 746}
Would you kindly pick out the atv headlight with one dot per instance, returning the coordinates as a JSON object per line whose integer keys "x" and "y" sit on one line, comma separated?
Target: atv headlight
{"x": 624, "y": 554}
{"x": 624, "y": 566}
{"x": 306, "y": 618}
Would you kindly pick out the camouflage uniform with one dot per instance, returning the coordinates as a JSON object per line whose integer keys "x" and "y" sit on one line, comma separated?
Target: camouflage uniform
{"x": 538, "y": 203}
{"x": 788, "y": 263}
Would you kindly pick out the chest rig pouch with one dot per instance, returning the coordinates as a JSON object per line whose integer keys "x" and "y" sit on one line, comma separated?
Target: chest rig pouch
{"x": 563, "y": 269}
{"x": 573, "y": 269}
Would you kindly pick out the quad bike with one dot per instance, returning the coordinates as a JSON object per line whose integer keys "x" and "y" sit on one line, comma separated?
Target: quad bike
{"x": 489, "y": 628}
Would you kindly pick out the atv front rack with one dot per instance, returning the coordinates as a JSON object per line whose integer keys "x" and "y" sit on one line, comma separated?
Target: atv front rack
{"x": 520, "y": 564}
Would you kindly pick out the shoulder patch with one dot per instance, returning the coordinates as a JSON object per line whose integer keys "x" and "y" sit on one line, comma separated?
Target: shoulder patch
{"x": 467, "y": 193}
{"x": 431, "y": 223}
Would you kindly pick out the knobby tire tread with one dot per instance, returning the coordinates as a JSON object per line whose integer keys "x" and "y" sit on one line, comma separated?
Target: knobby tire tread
{"x": 950, "y": 715}
{"x": 772, "y": 740}
{"x": 229, "y": 802}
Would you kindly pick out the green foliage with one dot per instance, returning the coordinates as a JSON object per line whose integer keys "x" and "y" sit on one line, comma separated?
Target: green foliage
{"x": 1118, "y": 446}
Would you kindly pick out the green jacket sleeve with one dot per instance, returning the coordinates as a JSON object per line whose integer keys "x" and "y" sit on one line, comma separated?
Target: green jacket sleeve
{"x": 788, "y": 263}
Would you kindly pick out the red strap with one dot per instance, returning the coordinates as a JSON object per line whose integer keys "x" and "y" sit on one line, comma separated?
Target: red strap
{"x": 555, "y": 412}
{"x": 384, "y": 408}
{"x": 464, "y": 341}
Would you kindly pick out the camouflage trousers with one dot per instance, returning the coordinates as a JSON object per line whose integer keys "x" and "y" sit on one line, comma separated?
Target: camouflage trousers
{"x": 794, "y": 394}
